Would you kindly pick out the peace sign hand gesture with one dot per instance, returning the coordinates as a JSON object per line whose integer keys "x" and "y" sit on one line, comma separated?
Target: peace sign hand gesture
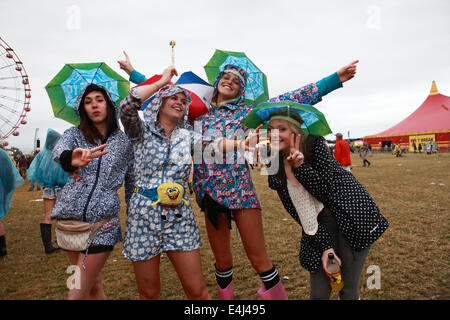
{"x": 295, "y": 158}
{"x": 125, "y": 65}
{"x": 82, "y": 157}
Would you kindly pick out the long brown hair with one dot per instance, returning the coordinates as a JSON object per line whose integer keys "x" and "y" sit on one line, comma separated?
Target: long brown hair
{"x": 87, "y": 127}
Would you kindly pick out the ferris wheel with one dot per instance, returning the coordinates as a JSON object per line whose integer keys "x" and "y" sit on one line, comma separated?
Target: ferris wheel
{"x": 15, "y": 92}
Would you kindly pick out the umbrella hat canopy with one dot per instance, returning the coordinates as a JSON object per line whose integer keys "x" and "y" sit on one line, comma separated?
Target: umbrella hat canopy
{"x": 314, "y": 121}
{"x": 256, "y": 90}
{"x": 64, "y": 89}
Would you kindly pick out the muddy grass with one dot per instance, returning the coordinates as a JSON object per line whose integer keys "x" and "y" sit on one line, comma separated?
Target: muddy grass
{"x": 412, "y": 256}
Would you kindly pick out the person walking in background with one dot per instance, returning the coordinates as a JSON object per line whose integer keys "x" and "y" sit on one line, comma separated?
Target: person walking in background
{"x": 428, "y": 147}
{"x": 33, "y": 182}
{"x": 435, "y": 147}
{"x": 23, "y": 166}
{"x": 365, "y": 152}
{"x": 342, "y": 152}
{"x": 10, "y": 179}
{"x": 398, "y": 150}
{"x": 46, "y": 172}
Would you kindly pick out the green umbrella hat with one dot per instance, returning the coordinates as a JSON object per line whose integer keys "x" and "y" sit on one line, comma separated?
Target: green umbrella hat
{"x": 64, "y": 88}
{"x": 314, "y": 121}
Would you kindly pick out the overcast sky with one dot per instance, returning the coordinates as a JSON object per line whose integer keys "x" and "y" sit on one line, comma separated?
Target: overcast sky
{"x": 402, "y": 47}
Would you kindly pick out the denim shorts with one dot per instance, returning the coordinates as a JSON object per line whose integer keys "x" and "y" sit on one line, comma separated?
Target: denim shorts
{"x": 51, "y": 193}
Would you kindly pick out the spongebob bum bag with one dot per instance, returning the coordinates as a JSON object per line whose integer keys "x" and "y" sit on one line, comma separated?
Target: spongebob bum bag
{"x": 166, "y": 194}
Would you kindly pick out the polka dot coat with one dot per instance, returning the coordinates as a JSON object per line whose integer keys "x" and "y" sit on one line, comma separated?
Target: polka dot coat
{"x": 357, "y": 215}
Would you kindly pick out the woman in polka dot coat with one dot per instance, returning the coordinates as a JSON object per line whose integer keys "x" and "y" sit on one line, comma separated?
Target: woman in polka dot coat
{"x": 348, "y": 219}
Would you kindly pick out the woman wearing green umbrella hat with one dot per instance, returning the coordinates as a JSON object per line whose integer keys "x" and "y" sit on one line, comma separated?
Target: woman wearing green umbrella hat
{"x": 91, "y": 193}
{"x": 335, "y": 211}
{"x": 225, "y": 191}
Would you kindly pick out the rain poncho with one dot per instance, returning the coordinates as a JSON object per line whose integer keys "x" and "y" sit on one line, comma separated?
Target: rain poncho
{"x": 10, "y": 179}
{"x": 44, "y": 169}
{"x": 95, "y": 197}
{"x": 152, "y": 228}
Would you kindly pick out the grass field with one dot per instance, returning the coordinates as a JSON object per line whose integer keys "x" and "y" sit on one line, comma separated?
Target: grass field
{"x": 413, "y": 254}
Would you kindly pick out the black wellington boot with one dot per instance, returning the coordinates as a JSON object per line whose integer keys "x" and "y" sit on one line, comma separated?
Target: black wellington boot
{"x": 2, "y": 246}
{"x": 46, "y": 234}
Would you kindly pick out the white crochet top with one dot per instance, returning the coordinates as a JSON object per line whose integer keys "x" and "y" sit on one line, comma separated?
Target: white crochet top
{"x": 306, "y": 205}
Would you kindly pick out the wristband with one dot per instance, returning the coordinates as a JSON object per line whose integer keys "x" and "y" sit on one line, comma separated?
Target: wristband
{"x": 240, "y": 146}
{"x": 65, "y": 159}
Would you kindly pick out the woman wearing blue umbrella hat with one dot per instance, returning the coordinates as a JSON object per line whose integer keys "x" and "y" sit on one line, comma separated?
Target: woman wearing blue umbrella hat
{"x": 225, "y": 191}
{"x": 98, "y": 157}
{"x": 337, "y": 214}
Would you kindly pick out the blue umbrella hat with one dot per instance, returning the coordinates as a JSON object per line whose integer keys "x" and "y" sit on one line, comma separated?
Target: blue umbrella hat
{"x": 310, "y": 119}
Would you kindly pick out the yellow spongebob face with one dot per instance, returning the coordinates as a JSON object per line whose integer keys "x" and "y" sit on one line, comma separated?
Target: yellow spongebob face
{"x": 173, "y": 193}
{"x": 170, "y": 193}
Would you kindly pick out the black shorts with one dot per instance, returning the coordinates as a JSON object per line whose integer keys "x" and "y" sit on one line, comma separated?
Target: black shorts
{"x": 99, "y": 248}
{"x": 214, "y": 209}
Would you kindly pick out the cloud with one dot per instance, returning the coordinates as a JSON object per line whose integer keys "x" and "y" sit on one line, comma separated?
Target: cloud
{"x": 401, "y": 47}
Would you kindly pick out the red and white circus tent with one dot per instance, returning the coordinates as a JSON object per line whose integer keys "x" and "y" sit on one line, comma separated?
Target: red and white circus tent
{"x": 428, "y": 123}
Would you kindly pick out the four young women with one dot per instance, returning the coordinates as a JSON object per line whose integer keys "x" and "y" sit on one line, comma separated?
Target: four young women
{"x": 154, "y": 159}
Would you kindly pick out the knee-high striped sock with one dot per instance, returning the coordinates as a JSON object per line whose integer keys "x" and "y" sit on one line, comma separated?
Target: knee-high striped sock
{"x": 224, "y": 277}
{"x": 270, "y": 278}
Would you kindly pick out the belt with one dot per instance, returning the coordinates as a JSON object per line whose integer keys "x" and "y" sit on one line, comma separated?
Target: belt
{"x": 152, "y": 194}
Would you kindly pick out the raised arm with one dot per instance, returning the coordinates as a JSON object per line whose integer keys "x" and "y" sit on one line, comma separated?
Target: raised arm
{"x": 347, "y": 72}
{"x": 313, "y": 92}
{"x": 135, "y": 76}
{"x": 130, "y": 106}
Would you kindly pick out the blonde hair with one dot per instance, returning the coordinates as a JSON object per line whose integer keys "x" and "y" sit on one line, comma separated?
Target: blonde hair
{"x": 296, "y": 130}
